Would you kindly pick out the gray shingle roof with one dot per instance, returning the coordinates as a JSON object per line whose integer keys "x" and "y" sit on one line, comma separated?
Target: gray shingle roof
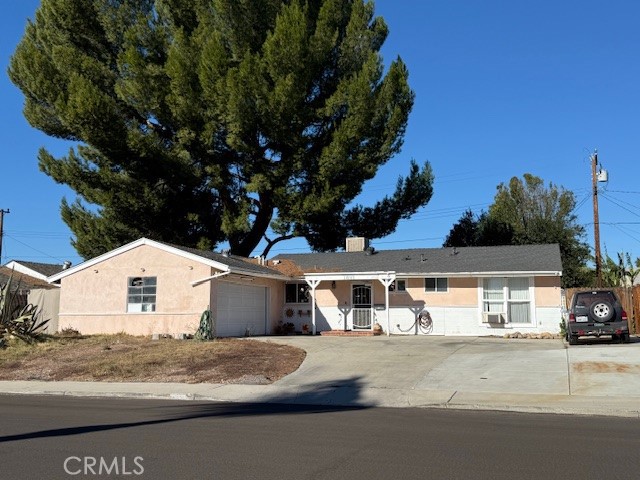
{"x": 510, "y": 258}
{"x": 25, "y": 282}
{"x": 232, "y": 261}
{"x": 46, "y": 269}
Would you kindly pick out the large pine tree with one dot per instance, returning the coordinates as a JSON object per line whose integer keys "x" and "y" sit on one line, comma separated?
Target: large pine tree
{"x": 200, "y": 121}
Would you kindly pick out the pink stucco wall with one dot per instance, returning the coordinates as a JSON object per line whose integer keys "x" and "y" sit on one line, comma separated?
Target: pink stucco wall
{"x": 548, "y": 291}
{"x": 94, "y": 300}
{"x": 462, "y": 292}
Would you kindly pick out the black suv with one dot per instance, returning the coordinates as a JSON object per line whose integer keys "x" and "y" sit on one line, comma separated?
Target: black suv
{"x": 595, "y": 313}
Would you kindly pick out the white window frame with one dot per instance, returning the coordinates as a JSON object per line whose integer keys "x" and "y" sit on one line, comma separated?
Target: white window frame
{"x": 506, "y": 300}
{"x": 435, "y": 284}
{"x": 396, "y": 285}
{"x": 142, "y": 307}
{"x": 298, "y": 285}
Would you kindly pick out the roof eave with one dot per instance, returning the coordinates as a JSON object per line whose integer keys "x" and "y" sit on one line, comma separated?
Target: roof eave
{"x": 131, "y": 246}
{"x": 376, "y": 274}
{"x": 274, "y": 276}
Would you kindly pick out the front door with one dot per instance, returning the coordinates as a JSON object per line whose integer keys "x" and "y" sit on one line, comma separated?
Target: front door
{"x": 361, "y": 310}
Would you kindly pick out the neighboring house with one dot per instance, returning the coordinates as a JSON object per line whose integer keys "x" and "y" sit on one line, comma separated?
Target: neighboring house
{"x": 35, "y": 269}
{"x": 463, "y": 291}
{"x": 148, "y": 287}
{"x": 37, "y": 292}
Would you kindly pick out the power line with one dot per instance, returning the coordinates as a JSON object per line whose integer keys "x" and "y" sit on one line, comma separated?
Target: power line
{"x": 23, "y": 233}
{"x": 35, "y": 249}
{"x": 581, "y": 202}
{"x": 622, "y": 201}
{"x": 627, "y": 234}
{"x": 621, "y": 191}
{"x": 606, "y": 197}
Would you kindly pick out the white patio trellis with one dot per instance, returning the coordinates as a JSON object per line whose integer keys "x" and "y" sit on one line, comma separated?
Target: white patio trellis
{"x": 314, "y": 279}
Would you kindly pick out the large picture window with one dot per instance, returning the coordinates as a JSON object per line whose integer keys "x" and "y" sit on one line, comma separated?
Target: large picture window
{"x": 297, "y": 293}
{"x": 141, "y": 294}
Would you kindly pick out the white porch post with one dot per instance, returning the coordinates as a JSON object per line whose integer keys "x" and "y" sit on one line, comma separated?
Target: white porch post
{"x": 386, "y": 281}
{"x": 313, "y": 283}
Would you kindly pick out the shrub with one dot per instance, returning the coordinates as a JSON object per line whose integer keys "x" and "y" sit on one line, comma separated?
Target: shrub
{"x": 563, "y": 327}
{"x": 17, "y": 320}
{"x": 284, "y": 328}
{"x": 69, "y": 332}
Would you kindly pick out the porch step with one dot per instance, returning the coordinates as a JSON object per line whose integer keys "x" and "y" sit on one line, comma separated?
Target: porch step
{"x": 347, "y": 333}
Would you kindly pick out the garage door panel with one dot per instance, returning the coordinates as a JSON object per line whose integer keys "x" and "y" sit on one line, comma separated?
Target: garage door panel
{"x": 240, "y": 307}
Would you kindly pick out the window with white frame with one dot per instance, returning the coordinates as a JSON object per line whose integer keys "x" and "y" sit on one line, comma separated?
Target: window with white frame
{"x": 297, "y": 293}
{"x": 438, "y": 285}
{"x": 509, "y": 296}
{"x": 398, "y": 286}
{"x": 141, "y": 294}
{"x": 493, "y": 295}
{"x": 518, "y": 302}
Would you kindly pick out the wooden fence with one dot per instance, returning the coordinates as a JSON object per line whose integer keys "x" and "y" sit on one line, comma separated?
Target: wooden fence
{"x": 629, "y": 297}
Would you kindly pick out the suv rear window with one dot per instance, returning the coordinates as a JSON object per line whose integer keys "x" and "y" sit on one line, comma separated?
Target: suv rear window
{"x": 583, "y": 300}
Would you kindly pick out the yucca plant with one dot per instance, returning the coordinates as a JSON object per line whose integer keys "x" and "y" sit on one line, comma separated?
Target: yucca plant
{"x": 17, "y": 320}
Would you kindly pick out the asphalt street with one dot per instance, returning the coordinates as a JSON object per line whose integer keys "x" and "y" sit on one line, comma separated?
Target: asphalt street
{"x": 71, "y": 437}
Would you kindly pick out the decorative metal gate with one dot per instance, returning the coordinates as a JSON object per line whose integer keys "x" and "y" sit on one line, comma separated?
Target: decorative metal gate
{"x": 362, "y": 312}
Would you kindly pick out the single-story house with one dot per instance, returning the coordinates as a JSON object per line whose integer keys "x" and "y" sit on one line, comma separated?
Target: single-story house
{"x": 38, "y": 270}
{"x": 36, "y": 291}
{"x": 462, "y": 291}
{"x": 148, "y": 287}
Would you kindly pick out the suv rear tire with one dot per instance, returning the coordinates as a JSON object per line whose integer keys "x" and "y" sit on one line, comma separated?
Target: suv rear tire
{"x": 573, "y": 339}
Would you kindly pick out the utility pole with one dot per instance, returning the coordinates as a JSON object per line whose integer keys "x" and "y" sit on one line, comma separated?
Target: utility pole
{"x": 2, "y": 212}
{"x": 596, "y": 221}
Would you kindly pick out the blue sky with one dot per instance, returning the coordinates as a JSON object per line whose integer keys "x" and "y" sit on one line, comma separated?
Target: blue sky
{"x": 502, "y": 88}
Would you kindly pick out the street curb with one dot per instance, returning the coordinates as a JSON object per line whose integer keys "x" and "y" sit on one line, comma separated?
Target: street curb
{"x": 624, "y": 407}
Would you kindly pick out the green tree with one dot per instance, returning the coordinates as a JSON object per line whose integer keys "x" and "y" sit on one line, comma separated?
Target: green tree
{"x": 620, "y": 273}
{"x": 202, "y": 121}
{"x": 544, "y": 214}
{"x": 464, "y": 233}
{"x": 472, "y": 230}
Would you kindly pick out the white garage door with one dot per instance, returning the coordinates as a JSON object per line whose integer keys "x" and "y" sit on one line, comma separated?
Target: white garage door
{"x": 241, "y": 308}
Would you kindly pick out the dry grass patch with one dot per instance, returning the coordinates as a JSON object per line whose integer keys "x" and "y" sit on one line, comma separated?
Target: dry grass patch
{"x": 123, "y": 358}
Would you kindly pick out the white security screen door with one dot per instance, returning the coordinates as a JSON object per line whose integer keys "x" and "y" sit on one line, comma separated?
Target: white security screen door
{"x": 362, "y": 311}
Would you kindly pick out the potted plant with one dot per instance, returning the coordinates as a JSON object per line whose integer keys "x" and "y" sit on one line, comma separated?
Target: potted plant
{"x": 377, "y": 329}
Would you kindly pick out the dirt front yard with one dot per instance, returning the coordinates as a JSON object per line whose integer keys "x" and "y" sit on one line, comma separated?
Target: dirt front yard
{"x": 123, "y": 358}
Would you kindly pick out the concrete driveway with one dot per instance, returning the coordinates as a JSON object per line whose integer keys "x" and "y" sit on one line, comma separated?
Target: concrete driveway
{"x": 469, "y": 364}
{"x": 521, "y": 375}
